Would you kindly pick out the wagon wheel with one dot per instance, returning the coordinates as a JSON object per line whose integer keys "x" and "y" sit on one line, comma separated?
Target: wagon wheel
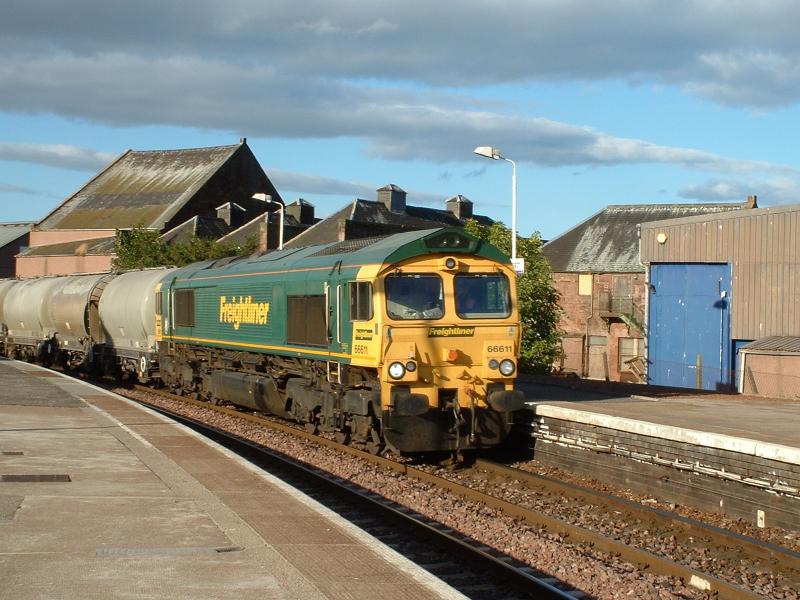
{"x": 342, "y": 437}
{"x": 312, "y": 428}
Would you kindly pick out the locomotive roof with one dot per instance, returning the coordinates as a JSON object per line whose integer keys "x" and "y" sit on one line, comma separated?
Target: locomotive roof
{"x": 358, "y": 252}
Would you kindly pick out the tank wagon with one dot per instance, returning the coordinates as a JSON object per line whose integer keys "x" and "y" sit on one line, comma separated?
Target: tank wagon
{"x": 102, "y": 322}
{"x": 409, "y": 341}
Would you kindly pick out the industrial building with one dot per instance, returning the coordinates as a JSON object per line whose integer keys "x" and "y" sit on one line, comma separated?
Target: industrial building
{"x": 720, "y": 287}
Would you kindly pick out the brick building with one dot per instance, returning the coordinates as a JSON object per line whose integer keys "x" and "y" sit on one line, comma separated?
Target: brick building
{"x": 602, "y": 288}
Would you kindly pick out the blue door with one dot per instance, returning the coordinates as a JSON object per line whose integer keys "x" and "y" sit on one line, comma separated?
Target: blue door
{"x": 689, "y": 338}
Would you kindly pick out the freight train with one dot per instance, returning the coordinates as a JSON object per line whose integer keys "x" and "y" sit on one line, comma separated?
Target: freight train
{"x": 409, "y": 341}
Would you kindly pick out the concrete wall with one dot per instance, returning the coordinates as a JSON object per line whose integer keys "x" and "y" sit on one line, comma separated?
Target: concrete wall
{"x": 775, "y": 375}
{"x": 35, "y": 266}
{"x": 60, "y": 236}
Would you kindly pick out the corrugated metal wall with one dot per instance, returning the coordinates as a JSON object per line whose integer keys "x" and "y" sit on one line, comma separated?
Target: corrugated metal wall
{"x": 763, "y": 247}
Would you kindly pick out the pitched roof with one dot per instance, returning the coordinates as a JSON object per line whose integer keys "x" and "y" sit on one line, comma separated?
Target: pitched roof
{"x": 13, "y": 231}
{"x": 775, "y": 343}
{"x": 139, "y": 187}
{"x": 94, "y": 247}
{"x": 371, "y": 212}
{"x": 205, "y": 227}
{"x": 608, "y": 241}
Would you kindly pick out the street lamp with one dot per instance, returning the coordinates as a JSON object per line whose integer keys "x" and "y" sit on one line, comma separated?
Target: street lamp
{"x": 494, "y": 154}
{"x": 268, "y": 199}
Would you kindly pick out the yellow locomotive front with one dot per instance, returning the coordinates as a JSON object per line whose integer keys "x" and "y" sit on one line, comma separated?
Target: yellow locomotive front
{"x": 447, "y": 344}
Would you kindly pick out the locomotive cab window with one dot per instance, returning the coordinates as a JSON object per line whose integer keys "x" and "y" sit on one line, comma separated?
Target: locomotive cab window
{"x": 414, "y": 296}
{"x": 482, "y": 296}
{"x": 184, "y": 308}
{"x": 360, "y": 300}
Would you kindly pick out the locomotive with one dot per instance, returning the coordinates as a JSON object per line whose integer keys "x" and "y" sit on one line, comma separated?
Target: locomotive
{"x": 409, "y": 341}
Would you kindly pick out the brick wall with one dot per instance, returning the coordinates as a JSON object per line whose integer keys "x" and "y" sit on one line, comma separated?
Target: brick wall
{"x": 594, "y": 322}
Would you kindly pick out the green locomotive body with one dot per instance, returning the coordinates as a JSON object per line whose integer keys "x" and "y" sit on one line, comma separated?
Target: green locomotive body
{"x": 315, "y": 334}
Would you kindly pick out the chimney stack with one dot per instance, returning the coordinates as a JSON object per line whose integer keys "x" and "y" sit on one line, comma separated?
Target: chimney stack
{"x": 460, "y": 206}
{"x": 752, "y": 202}
{"x": 302, "y": 211}
{"x": 232, "y": 214}
{"x": 393, "y": 197}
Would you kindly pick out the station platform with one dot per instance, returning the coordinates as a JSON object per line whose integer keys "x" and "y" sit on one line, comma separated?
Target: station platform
{"x": 739, "y": 455}
{"x": 103, "y": 498}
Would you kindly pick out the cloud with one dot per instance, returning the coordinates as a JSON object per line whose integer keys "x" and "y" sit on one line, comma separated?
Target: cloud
{"x": 302, "y": 183}
{"x": 55, "y": 155}
{"x": 6, "y": 188}
{"x": 736, "y": 52}
{"x": 781, "y": 190}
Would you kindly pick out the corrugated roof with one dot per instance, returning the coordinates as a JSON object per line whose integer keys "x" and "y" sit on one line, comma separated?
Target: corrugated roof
{"x": 370, "y": 211}
{"x": 99, "y": 246}
{"x": 775, "y": 343}
{"x": 13, "y": 231}
{"x": 139, "y": 187}
{"x": 608, "y": 242}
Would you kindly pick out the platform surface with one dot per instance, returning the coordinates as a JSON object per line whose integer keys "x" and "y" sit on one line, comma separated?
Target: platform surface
{"x": 757, "y": 425}
{"x": 101, "y": 498}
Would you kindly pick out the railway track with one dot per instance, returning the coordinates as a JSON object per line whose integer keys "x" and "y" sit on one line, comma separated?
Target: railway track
{"x": 471, "y": 568}
{"x": 653, "y": 520}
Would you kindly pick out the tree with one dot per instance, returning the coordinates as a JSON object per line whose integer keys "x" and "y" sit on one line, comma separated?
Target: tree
{"x": 537, "y": 300}
{"x": 142, "y": 248}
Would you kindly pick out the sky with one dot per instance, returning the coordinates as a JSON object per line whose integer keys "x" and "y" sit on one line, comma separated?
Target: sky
{"x": 598, "y": 103}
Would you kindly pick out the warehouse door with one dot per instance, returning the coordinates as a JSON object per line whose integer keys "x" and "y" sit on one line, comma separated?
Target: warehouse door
{"x": 689, "y": 336}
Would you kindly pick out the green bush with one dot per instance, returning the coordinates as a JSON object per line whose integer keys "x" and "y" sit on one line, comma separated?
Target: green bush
{"x": 537, "y": 300}
{"x": 142, "y": 248}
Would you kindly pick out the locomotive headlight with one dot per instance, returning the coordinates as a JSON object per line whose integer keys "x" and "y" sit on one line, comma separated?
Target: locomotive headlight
{"x": 397, "y": 370}
{"x": 411, "y": 366}
{"x": 507, "y": 367}
{"x": 493, "y": 364}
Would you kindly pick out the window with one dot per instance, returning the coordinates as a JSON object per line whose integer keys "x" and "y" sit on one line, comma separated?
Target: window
{"x": 360, "y": 300}
{"x": 184, "y": 308}
{"x": 629, "y": 350}
{"x": 598, "y": 340}
{"x": 307, "y": 325}
{"x": 482, "y": 296}
{"x": 414, "y": 296}
{"x": 158, "y": 303}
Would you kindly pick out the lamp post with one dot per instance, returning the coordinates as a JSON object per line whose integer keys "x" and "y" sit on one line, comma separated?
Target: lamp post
{"x": 494, "y": 154}
{"x": 268, "y": 199}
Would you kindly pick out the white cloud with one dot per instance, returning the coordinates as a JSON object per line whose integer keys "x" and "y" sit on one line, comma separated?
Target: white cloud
{"x": 55, "y": 155}
{"x": 779, "y": 190}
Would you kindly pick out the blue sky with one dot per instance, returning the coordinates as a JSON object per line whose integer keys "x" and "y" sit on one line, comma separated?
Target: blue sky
{"x": 618, "y": 102}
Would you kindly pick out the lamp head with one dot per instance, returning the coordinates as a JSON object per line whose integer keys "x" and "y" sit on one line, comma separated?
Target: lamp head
{"x": 488, "y": 152}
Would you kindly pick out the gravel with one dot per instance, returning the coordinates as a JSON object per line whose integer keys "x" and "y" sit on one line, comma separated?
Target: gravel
{"x": 598, "y": 574}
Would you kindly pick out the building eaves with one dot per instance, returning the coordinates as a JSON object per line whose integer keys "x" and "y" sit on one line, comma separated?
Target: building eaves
{"x": 608, "y": 241}
{"x": 94, "y": 247}
{"x": 789, "y": 344}
{"x": 10, "y": 232}
{"x": 721, "y": 216}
